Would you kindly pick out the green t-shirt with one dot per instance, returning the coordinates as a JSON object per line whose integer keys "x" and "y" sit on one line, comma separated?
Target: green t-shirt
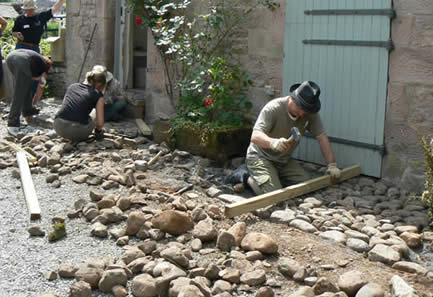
{"x": 275, "y": 122}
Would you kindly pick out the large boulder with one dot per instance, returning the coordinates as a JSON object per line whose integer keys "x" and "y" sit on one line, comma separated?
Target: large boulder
{"x": 205, "y": 231}
{"x": 111, "y": 278}
{"x": 90, "y": 275}
{"x": 173, "y": 222}
{"x": 350, "y": 282}
{"x": 238, "y": 230}
{"x": 135, "y": 220}
{"x": 259, "y": 242}
{"x": 144, "y": 285}
{"x": 80, "y": 289}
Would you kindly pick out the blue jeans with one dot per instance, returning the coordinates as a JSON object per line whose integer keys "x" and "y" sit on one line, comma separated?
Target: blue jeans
{"x": 36, "y": 49}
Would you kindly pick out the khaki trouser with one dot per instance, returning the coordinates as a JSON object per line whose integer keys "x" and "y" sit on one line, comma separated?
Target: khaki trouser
{"x": 72, "y": 130}
{"x": 270, "y": 176}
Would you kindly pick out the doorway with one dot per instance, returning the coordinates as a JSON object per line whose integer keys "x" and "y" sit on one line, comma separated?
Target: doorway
{"x": 130, "y": 49}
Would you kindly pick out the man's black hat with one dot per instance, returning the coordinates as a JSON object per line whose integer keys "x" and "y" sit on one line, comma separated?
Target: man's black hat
{"x": 306, "y": 96}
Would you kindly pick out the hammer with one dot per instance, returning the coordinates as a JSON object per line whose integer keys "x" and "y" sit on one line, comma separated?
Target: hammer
{"x": 295, "y": 137}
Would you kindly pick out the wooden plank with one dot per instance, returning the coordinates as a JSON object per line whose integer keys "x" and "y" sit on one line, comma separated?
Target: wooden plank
{"x": 288, "y": 192}
{"x": 228, "y": 198}
{"x": 28, "y": 187}
{"x": 144, "y": 129}
{"x": 18, "y": 148}
{"x": 154, "y": 159}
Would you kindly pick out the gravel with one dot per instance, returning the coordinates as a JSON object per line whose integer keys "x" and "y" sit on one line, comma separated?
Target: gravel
{"x": 25, "y": 260}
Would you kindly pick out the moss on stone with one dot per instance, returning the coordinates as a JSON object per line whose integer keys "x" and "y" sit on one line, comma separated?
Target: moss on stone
{"x": 58, "y": 232}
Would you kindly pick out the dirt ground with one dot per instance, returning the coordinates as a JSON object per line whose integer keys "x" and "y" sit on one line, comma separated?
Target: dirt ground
{"x": 330, "y": 259}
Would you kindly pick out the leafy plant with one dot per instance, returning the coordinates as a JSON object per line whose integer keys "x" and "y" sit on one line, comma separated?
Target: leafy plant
{"x": 427, "y": 195}
{"x": 217, "y": 93}
{"x": 196, "y": 48}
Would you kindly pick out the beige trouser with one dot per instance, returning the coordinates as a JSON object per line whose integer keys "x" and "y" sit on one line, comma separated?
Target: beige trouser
{"x": 270, "y": 176}
{"x": 72, "y": 130}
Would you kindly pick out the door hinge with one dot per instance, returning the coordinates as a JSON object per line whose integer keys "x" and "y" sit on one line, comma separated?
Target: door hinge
{"x": 389, "y": 45}
{"x": 381, "y": 12}
{"x": 375, "y": 147}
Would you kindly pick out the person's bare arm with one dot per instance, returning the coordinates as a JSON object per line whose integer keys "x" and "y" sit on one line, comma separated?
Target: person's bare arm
{"x": 3, "y": 23}
{"x": 57, "y": 6}
{"x": 100, "y": 114}
{"x": 261, "y": 139}
{"x": 41, "y": 86}
{"x": 18, "y": 35}
{"x": 326, "y": 148}
{"x": 328, "y": 154}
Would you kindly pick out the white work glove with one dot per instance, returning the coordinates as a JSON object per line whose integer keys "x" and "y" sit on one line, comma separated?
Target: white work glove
{"x": 281, "y": 145}
{"x": 333, "y": 171}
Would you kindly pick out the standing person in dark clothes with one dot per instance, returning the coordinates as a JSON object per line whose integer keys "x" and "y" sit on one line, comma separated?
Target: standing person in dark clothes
{"x": 26, "y": 66}
{"x": 72, "y": 120}
{"x": 3, "y": 25}
{"x": 29, "y": 27}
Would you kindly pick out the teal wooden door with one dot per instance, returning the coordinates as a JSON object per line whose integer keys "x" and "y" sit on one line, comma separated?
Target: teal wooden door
{"x": 343, "y": 46}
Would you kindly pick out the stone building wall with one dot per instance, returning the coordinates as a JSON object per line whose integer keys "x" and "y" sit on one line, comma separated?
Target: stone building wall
{"x": 410, "y": 93}
{"x": 158, "y": 104}
{"x": 57, "y": 80}
{"x": 264, "y": 41}
{"x": 82, "y": 15}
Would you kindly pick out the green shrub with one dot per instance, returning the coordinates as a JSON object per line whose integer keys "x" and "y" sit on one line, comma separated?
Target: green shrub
{"x": 427, "y": 195}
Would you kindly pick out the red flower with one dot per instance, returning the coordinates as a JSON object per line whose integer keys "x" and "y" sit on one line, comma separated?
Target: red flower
{"x": 159, "y": 25}
{"x": 138, "y": 21}
{"x": 208, "y": 102}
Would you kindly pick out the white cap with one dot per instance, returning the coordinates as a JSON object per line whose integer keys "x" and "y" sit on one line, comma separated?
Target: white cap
{"x": 100, "y": 68}
{"x": 29, "y": 4}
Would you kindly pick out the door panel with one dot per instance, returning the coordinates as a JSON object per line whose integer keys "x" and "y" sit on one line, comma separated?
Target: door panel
{"x": 327, "y": 44}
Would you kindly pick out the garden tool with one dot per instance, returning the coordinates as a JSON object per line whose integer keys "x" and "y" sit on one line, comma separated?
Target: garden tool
{"x": 296, "y": 135}
{"x": 283, "y": 145}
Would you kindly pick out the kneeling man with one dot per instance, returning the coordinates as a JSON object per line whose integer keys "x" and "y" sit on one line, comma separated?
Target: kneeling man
{"x": 269, "y": 159}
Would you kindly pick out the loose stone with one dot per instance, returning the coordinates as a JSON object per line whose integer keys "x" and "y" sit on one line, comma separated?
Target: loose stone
{"x": 383, "y": 253}
{"x": 400, "y": 288}
{"x": 36, "y": 230}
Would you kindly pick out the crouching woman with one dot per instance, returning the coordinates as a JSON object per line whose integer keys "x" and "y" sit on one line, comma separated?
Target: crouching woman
{"x": 73, "y": 119}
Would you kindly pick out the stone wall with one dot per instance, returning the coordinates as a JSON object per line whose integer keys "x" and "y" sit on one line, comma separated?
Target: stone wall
{"x": 264, "y": 41}
{"x": 410, "y": 93}
{"x": 57, "y": 80}
{"x": 82, "y": 17}
{"x": 158, "y": 104}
